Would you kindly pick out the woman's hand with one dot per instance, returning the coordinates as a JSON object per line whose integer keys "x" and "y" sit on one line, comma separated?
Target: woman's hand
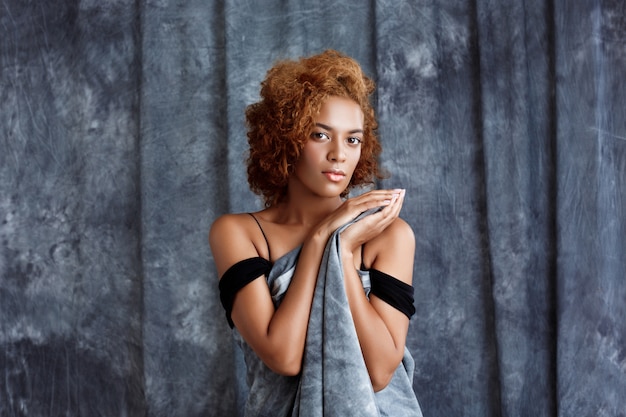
{"x": 391, "y": 200}
{"x": 371, "y": 226}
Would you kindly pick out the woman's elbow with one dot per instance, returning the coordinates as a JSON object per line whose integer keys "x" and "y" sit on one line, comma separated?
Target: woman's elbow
{"x": 287, "y": 370}
{"x": 285, "y": 366}
{"x": 380, "y": 380}
{"x": 381, "y": 372}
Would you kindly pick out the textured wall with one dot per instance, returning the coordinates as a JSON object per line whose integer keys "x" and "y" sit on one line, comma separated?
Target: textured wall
{"x": 71, "y": 287}
{"x": 122, "y": 138}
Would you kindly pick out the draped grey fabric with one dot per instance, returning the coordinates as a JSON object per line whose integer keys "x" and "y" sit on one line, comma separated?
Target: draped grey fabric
{"x": 122, "y": 138}
{"x": 334, "y": 380}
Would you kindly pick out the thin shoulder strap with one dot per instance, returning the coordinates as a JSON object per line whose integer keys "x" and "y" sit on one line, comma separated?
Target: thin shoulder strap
{"x": 269, "y": 252}
{"x": 362, "y": 262}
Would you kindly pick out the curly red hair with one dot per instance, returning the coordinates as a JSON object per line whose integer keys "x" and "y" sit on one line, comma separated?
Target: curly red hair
{"x": 280, "y": 123}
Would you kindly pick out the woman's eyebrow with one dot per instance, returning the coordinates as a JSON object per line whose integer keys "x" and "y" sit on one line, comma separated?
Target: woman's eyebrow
{"x": 326, "y": 127}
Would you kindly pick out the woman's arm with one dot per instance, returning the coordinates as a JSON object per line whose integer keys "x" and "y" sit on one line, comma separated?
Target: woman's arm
{"x": 277, "y": 336}
{"x": 381, "y": 328}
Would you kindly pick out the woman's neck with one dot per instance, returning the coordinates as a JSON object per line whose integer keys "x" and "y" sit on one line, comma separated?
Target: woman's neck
{"x": 305, "y": 210}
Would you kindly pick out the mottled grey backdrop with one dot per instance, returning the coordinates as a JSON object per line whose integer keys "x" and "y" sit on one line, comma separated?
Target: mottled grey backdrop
{"x": 122, "y": 139}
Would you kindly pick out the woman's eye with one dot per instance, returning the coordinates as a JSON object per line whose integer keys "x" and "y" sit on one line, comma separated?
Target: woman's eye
{"x": 320, "y": 136}
{"x": 354, "y": 141}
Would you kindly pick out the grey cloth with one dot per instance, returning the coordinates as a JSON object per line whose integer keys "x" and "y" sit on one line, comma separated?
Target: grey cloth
{"x": 334, "y": 380}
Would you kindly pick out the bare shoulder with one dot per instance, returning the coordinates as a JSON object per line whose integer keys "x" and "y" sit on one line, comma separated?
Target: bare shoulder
{"x": 393, "y": 251}
{"x": 400, "y": 230}
{"x": 230, "y": 238}
{"x": 227, "y": 225}
{"x": 398, "y": 234}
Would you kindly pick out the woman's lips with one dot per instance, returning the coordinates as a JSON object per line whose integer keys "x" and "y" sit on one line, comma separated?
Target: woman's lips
{"x": 335, "y": 176}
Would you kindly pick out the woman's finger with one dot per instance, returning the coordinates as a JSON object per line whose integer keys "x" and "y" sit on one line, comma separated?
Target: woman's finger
{"x": 372, "y": 225}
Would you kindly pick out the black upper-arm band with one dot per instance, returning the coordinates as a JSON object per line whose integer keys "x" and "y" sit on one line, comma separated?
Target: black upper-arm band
{"x": 238, "y": 276}
{"x": 394, "y": 292}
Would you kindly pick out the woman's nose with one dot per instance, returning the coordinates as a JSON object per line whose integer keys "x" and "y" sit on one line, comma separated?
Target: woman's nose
{"x": 337, "y": 151}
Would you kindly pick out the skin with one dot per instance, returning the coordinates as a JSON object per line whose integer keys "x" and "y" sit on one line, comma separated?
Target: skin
{"x": 312, "y": 211}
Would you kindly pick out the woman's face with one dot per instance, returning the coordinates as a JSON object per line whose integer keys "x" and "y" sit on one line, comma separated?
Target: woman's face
{"x": 333, "y": 150}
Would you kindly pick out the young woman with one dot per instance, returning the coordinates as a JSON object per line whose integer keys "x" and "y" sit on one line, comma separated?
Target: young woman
{"x": 312, "y": 139}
